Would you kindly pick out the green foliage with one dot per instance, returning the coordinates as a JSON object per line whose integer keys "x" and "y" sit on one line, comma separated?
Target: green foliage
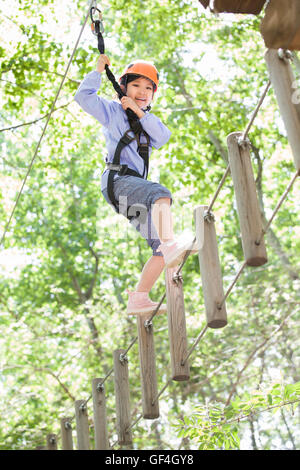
{"x": 216, "y": 427}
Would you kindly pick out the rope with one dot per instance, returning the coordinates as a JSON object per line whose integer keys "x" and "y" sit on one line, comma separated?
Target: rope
{"x": 161, "y": 391}
{"x": 245, "y": 134}
{"x": 218, "y": 189}
{"x": 46, "y": 125}
{"x": 254, "y": 114}
{"x": 243, "y": 138}
{"x": 200, "y": 336}
{"x": 149, "y": 321}
{"x": 97, "y": 26}
{"x": 232, "y": 284}
{"x": 283, "y": 197}
{"x": 123, "y": 355}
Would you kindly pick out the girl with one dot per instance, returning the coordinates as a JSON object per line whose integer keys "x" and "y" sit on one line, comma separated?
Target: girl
{"x": 146, "y": 204}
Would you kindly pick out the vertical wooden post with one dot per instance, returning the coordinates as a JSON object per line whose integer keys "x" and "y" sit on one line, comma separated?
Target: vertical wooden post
{"x": 285, "y": 87}
{"x": 147, "y": 368}
{"x": 66, "y": 433}
{"x": 210, "y": 269}
{"x": 246, "y": 199}
{"x": 82, "y": 425}
{"x": 100, "y": 422}
{"x": 51, "y": 442}
{"x": 176, "y": 326}
{"x": 121, "y": 380}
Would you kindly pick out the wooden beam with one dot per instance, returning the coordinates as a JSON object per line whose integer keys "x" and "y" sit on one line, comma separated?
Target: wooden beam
{"x": 121, "y": 378}
{"x": 147, "y": 368}
{"x": 100, "y": 420}
{"x": 51, "y": 442}
{"x": 246, "y": 199}
{"x": 176, "y": 326}
{"x": 66, "y": 433}
{"x": 82, "y": 425}
{"x": 284, "y": 84}
{"x": 210, "y": 269}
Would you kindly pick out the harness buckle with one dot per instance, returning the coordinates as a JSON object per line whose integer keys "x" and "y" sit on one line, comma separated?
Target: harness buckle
{"x": 126, "y": 139}
{"x": 123, "y": 170}
{"x": 143, "y": 148}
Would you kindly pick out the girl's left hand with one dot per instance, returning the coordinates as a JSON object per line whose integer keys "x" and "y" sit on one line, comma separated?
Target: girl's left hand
{"x": 129, "y": 103}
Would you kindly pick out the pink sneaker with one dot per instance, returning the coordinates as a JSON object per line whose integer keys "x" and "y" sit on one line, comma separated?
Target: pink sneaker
{"x": 174, "y": 251}
{"x": 139, "y": 302}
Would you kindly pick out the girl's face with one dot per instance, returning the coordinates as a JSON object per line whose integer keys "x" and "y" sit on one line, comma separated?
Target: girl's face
{"x": 141, "y": 91}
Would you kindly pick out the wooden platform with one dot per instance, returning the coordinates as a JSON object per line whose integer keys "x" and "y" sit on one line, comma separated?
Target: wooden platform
{"x": 236, "y": 6}
{"x": 280, "y": 27}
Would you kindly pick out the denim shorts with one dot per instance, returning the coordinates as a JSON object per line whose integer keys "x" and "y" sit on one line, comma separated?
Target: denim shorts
{"x": 136, "y": 197}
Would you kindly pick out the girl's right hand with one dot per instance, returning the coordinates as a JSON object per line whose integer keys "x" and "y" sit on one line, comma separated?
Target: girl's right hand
{"x": 102, "y": 61}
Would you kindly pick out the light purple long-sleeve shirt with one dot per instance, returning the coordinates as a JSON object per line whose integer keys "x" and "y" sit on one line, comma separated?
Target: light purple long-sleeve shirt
{"x": 115, "y": 123}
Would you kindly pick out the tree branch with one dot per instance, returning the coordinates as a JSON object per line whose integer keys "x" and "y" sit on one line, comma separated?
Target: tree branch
{"x": 35, "y": 121}
{"x": 82, "y": 300}
{"x": 64, "y": 387}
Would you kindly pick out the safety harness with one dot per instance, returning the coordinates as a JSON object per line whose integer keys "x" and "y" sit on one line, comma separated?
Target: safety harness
{"x": 136, "y": 128}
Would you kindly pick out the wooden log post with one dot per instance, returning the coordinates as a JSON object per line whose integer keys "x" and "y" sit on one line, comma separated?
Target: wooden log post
{"x": 238, "y": 6}
{"x": 284, "y": 83}
{"x": 66, "y": 433}
{"x": 100, "y": 420}
{"x": 51, "y": 442}
{"x": 147, "y": 368}
{"x": 176, "y": 326}
{"x": 121, "y": 379}
{"x": 210, "y": 268}
{"x": 82, "y": 425}
{"x": 246, "y": 199}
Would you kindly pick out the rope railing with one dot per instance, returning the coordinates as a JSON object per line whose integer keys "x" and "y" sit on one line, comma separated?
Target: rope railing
{"x": 283, "y": 197}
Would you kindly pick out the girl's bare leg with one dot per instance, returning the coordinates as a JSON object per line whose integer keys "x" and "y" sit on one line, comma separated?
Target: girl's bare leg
{"x": 162, "y": 221}
{"x": 151, "y": 272}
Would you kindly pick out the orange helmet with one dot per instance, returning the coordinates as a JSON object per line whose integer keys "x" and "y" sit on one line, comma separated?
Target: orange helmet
{"x": 143, "y": 68}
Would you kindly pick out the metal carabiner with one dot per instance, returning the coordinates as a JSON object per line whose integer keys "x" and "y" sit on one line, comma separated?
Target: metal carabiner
{"x": 97, "y": 25}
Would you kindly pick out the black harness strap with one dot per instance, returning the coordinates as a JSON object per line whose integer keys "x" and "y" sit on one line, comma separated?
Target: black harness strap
{"x": 97, "y": 28}
{"x": 116, "y": 168}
